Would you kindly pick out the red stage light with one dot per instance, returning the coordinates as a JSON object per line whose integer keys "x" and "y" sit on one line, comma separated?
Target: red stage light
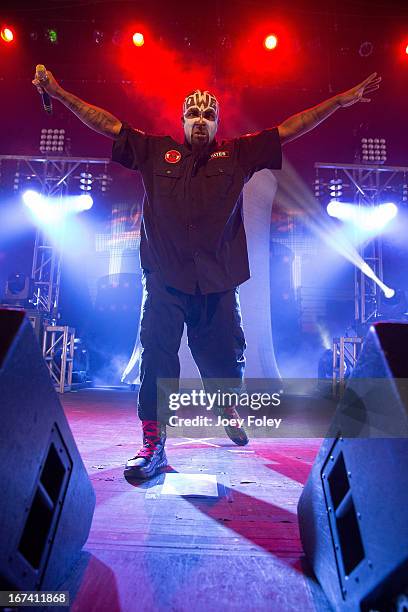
{"x": 271, "y": 42}
{"x": 406, "y": 49}
{"x": 7, "y": 35}
{"x": 138, "y": 39}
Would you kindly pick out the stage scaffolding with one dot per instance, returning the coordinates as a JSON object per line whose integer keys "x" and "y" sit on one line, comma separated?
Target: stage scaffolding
{"x": 366, "y": 185}
{"x": 369, "y": 185}
{"x": 53, "y": 176}
{"x": 58, "y": 352}
{"x": 345, "y": 355}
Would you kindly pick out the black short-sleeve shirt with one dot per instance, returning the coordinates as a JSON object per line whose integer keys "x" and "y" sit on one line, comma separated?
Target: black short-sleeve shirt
{"x": 192, "y": 231}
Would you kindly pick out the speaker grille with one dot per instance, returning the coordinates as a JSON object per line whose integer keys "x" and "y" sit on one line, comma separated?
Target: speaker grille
{"x": 33, "y": 542}
{"x": 344, "y": 521}
{"x": 42, "y": 518}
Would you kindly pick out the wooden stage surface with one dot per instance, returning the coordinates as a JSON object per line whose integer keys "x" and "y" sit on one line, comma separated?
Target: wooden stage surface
{"x": 152, "y": 552}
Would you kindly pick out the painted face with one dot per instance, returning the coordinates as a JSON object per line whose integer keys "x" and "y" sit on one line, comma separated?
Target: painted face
{"x": 200, "y": 112}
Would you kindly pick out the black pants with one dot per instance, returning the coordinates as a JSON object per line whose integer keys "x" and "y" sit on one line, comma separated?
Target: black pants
{"x": 215, "y": 337}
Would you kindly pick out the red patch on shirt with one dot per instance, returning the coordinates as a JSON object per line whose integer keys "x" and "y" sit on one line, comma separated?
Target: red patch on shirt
{"x": 218, "y": 154}
{"x": 172, "y": 156}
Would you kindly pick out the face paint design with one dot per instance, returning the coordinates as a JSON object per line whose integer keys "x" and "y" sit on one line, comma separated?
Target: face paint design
{"x": 200, "y": 105}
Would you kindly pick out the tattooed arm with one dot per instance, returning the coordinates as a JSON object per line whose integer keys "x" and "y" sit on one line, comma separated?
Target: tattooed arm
{"x": 96, "y": 118}
{"x": 303, "y": 122}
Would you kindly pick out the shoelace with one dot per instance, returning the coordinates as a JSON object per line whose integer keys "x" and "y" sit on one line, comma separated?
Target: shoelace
{"x": 151, "y": 439}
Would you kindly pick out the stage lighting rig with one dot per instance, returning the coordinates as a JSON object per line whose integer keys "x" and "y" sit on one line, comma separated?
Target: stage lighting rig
{"x": 329, "y": 189}
{"x": 405, "y": 191}
{"x": 368, "y": 194}
{"x": 373, "y": 150}
{"x": 51, "y": 35}
{"x": 271, "y": 42}
{"x": 336, "y": 189}
{"x": 52, "y": 194}
{"x": 364, "y": 218}
{"x": 82, "y": 202}
{"x": 138, "y": 39}
{"x": 51, "y": 212}
{"x": 98, "y": 37}
{"x": 318, "y": 186}
{"x": 85, "y": 181}
{"x": 17, "y": 178}
{"x": 52, "y": 140}
{"x": 105, "y": 181}
{"x": 7, "y": 34}
{"x": 19, "y": 290}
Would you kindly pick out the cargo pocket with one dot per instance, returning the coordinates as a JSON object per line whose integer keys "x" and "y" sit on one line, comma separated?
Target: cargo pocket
{"x": 218, "y": 180}
{"x": 166, "y": 180}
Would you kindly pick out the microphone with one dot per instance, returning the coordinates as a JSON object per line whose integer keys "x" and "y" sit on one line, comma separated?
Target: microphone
{"x": 41, "y": 73}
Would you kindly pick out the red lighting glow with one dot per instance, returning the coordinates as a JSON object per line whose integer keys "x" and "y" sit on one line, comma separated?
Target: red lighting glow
{"x": 266, "y": 51}
{"x": 7, "y": 35}
{"x": 271, "y": 42}
{"x": 138, "y": 39}
{"x": 163, "y": 77}
{"x": 406, "y": 49}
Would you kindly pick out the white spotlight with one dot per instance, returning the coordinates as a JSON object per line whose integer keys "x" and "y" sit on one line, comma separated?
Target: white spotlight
{"x": 388, "y": 292}
{"x": 340, "y": 210}
{"x": 46, "y": 211}
{"x": 365, "y": 218}
{"x": 84, "y": 202}
{"x": 31, "y": 198}
{"x": 389, "y": 210}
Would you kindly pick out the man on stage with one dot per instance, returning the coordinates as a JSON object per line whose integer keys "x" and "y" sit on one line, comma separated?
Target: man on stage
{"x": 193, "y": 247}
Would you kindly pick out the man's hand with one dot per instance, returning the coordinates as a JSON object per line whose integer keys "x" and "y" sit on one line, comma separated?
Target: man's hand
{"x": 360, "y": 92}
{"x": 49, "y": 84}
{"x": 94, "y": 117}
{"x": 302, "y": 123}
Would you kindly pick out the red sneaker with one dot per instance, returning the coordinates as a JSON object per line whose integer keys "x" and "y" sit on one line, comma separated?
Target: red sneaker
{"x": 151, "y": 457}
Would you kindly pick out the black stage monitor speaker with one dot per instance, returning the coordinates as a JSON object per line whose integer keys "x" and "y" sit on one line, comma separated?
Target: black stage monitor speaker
{"x": 353, "y": 512}
{"x": 47, "y": 500}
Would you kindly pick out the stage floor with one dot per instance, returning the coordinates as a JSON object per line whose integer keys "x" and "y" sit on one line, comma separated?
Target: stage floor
{"x": 155, "y": 552}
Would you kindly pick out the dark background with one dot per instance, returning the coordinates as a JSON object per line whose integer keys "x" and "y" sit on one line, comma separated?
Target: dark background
{"x": 217, "y": 45}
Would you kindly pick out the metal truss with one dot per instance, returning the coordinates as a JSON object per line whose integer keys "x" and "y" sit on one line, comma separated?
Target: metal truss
{"x": 367, "y": 185}
{"x": 58, "y": 353}
{"x": 345, "y": 355}
{"x": 53, "y": 176}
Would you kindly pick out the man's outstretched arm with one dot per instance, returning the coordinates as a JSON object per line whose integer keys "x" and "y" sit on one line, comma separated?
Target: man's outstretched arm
{"x": 96, "y": 118}
{"x": 303, "y": 122}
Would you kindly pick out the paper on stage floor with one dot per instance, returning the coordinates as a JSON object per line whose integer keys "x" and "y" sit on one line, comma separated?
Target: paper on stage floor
{"x": 204, "y": 485}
